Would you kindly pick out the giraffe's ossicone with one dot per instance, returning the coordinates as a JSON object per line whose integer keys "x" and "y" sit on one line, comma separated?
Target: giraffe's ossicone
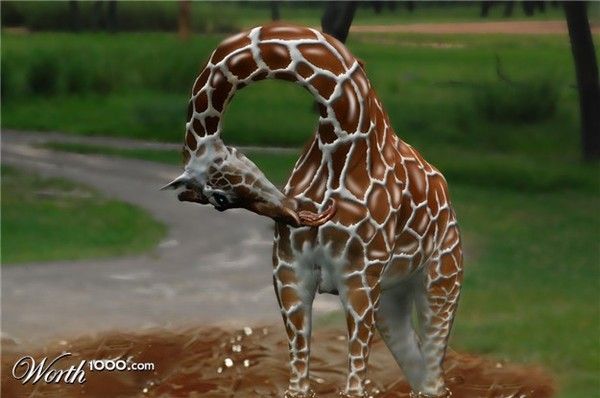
{"x": 363, "y": 215}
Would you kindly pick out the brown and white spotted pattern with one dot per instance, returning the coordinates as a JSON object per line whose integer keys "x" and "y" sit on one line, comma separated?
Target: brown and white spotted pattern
{"x": 363, "y": 215}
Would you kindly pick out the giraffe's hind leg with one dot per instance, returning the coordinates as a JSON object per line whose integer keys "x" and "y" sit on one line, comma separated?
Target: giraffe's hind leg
{"x": 394, "y": 322}
{"x": 436, "y": 303}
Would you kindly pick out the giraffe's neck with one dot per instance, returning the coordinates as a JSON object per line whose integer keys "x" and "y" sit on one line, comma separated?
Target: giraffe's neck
{"x": 305, "y": 56}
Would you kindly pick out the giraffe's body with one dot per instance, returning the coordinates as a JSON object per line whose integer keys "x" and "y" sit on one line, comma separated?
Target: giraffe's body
{"x": 389, "y": 241}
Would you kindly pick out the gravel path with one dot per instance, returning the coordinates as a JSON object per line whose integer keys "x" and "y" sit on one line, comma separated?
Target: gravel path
{"x": 212, "y": 268}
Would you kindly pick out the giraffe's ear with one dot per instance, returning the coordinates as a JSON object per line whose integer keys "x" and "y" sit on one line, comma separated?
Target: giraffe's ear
{"x": 178, "y": 182}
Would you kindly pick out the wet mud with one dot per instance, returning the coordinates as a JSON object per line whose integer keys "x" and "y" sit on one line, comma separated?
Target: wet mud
{"x": 212, "y": 362}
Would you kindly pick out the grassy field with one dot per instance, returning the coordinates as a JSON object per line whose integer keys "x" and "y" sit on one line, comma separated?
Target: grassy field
{"x": 531, "y": 287}
{"x": 440, "y": 91}
{"x": 52, "y": 219}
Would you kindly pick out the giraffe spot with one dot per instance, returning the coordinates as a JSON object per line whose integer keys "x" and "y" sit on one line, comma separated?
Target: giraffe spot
{"x": 420, "y": 220}
{"x": 359, "y": 300}
{"x": 389, "y": 155}
{"x": 324, "y": 85}
{"x": 308, "y": 166}
{"x": 222, "y": 88}
{"x": 297, "y": 319}
{"x": 289, "y": 76}
{"x": 357, "y": 181}
{"x": 448, "y": 266}
{"x": 356, "y": 251}
{"x": 341, "y": 49}
{"x": 379, "y": 207}
{"x": 316, "y": 191}
{"x": 190, "y": 140}
{"x": 355, "y": 348}
{"x": 335, "y": 238}
{"x": 284, "y": 248}
{"x": 321, "y": 57}
{"x": 350, "y": 212}
{"x": 260, "y": 75}
{"x": 327, "y": 133}
{"x": 201, "y": 102}
{"x": 234, "y": 179}
{"x": 276, "y": 56}
{"x": 283, "y": 32}
{"x": 451, "y": 236}
{"x": 198, "y": 128}
{"x": 443, "y": 219}
{"x": 399, "y": 268}
{"x": 212, "y": 124}
{"x": 394, "y": 189}
{"x": 361, "y": 81}
{"x": 300, "y": 366}
{"x": 201, "y": 80}
{"x": 289, "y": 297}
{"x": 354, "y": 282}
{"x": 376, "y": 248}
{"x": 229, "y": 45}
{"x": 416, "y": 182}
{"x": 200, "y": 151}
{"x": 406, "y": 244}
{"x": 241, "y": 85}
{"x": 300, "y": 342}
{"x": 390, "y": 229}
{"x": 436, "y": 192}
{"x": 307, "y": 236}
{"x": 376, "y": 162}
{"x": 242, "y": 64}
{"x": 366, "y": 230}
{"x": 363, "y": 332}
{"x": 347, "y": 108}
{"x": 304, "y": 70}
{"x": 338, "y": 160}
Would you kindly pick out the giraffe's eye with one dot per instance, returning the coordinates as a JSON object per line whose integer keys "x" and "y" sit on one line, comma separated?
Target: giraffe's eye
{"x": 220, "y": 199}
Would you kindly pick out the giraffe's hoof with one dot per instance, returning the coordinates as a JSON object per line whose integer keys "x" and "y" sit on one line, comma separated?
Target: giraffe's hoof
{"x": 445, "y": 394}
{"x": 294, "y": 394}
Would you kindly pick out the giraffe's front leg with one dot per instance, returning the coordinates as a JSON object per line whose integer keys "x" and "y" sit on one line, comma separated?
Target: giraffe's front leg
{"x": 360, "y": 299}
{"x": 295, "y": 294}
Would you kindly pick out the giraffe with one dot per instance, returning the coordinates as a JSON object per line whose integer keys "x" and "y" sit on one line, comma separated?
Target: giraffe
{"x": 362, "y": 215}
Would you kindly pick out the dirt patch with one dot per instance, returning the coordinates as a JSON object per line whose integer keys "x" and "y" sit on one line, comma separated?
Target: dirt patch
{"x": 494, "y": 27}
{"x": 212, "y": 362}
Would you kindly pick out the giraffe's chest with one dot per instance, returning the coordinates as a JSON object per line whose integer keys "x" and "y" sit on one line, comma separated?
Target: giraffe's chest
{"x": 322, "y": 254}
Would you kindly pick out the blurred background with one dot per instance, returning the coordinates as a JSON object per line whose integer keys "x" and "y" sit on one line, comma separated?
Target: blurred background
{"x": 94, "y": 99}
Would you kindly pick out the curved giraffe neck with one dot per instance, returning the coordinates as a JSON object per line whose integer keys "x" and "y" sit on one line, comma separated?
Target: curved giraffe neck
{"x": 317, "y": 62}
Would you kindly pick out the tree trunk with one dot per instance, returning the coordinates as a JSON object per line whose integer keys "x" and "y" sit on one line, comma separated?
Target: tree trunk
{"x": 586, "y": 70}
{"x": 111, "y": 21}
{"x": 275, "y": 11}
{"x": 337, "y": 18}
{"x": 184, "y": 19}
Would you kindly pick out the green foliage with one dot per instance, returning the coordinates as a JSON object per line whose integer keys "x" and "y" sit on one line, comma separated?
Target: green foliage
{"x": 518, "y": 102}
{"x": 42, "y": 76}
{"x": 52, "y": 219}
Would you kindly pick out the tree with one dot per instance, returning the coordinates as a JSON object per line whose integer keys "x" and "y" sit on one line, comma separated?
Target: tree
{"x": 184, "y": 19}
{"x": 337, "y": 18}
{"x": 586, "y": 71}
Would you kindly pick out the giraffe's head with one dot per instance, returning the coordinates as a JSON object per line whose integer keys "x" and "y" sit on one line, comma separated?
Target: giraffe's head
{"x": 223, "y": 177}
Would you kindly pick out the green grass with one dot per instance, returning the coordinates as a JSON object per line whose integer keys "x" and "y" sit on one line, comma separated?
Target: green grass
{"x": 52, "y": 219}
{"x": 432, "y": 94}
{"x": 531, "y": 288}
